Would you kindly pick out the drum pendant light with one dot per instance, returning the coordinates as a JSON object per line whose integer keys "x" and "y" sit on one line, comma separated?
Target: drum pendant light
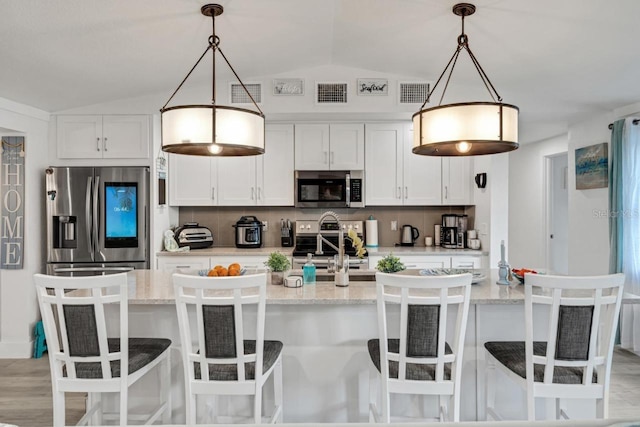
{"x": 468, "y": 128}
{"x": 212, "y": 130}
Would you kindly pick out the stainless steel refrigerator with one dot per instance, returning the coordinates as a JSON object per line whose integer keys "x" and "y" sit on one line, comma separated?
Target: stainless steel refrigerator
{"x": 97, "y": 220}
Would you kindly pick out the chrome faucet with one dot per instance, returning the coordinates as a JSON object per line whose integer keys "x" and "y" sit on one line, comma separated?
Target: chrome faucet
{"x": 320, "y": 238}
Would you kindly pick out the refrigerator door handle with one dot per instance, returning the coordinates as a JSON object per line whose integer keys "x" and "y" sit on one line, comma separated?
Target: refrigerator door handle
{"x": 96, "y": 188}
{"x": 92, "y": 269}
{"x": 88, "y": 216}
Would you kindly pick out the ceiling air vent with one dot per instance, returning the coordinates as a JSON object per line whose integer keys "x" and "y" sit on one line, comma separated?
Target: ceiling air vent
{"x": 331, "y": 93}
{"x": 239, "y": 96}
{"x": 413, "y": 92}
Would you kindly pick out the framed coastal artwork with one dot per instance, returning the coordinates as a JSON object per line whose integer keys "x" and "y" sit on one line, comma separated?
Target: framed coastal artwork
{"x": 373, "y": 87}
{"x": 592, "y": 167}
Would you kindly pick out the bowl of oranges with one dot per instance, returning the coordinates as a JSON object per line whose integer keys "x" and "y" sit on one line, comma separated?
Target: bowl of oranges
{"x": 233, "y": 269}
{"x": 520, "y": 272}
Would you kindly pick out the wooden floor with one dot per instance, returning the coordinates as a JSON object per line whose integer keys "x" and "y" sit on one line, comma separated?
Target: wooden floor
{"x": 25, "y": 391}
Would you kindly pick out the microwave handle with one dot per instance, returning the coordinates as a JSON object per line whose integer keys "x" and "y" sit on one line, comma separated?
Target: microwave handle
{"x": 348, "y": 189}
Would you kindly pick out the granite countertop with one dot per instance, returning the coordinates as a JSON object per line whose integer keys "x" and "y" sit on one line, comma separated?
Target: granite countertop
{"x": 155, "y": 287}
{"x": 372, "y": 251}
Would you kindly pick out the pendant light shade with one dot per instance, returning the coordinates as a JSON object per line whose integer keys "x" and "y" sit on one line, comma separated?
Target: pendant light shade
{"x": 212, "y": 130}
{"x": 187, "y": 130}
{"x": 467, "y": 128}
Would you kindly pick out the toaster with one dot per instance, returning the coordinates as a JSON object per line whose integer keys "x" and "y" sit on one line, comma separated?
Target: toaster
{"x": 194, "y": 235}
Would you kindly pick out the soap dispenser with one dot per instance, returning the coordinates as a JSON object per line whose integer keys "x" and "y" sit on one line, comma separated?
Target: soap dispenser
{"x": 309, "y": 271}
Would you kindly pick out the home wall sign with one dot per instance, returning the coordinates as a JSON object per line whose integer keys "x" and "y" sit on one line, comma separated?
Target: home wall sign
{"x": 373, "y": 87}
{"x": 12, "y": 199}
{"x": 592, "y": 167}
{"x": 288, "y": 87}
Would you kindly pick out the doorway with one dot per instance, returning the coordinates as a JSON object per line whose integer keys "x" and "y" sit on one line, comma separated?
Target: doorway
{"x": 557, "y": 215}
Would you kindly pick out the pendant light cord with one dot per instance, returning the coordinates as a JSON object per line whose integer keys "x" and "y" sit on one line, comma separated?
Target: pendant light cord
{"x": 463, "y": 44}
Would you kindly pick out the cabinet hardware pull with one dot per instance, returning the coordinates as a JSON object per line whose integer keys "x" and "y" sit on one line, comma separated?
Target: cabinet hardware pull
{"x": 406, "y": 192}
{"x": 446, "y": 192}
{"x": 105, "y": 143}
{"x": 325, "y": 156}
{"x": 332, "y": 157}
{"x": 398, "y": 193}
{"x": 253, "y": 191}
{"x": 411, "y": 265}
{"x": 98, "y": 144}
{"x": 213, "y": 193}
{"x": 259, "y": 193}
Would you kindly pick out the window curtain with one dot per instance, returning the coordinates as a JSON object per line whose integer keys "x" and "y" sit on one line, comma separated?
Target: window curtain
{"x": 624, "y": 222}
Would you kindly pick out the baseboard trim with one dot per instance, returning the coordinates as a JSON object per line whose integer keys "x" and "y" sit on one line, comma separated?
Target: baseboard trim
{"x": 16, "y": 350}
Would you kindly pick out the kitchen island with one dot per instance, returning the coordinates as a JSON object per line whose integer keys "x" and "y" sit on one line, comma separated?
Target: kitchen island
{"x": 324, "y": 329}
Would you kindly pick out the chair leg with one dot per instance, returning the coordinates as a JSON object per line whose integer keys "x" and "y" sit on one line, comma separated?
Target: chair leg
{"x": 385, "y": 401}
{"x": 490, "y": 388}
{"x": 190, "y": 407}
{"x": 531, "y": 402}
{"x": 602, "y": 407}
{"x": 95, "y": 399}
{"x": 454, "y": 411}
{"x": 257, "y": 405}
{"x": 58, "y": 409}
{"x": 277, "y": 391}
{"x": 165, "y": 388}
{"x": 373, "y": 392}
{"x": 124, "y": 400}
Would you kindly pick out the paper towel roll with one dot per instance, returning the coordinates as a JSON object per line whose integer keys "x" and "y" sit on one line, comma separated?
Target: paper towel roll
{"x": 371, "y": 232}
{"x": 436, "y": 234}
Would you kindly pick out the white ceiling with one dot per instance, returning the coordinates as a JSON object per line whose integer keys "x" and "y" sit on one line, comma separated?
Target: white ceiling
{"x": 560, "y": 61}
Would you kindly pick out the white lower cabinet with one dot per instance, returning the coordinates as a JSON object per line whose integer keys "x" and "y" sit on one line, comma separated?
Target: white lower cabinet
{"x": 430, "y": 261}
{"x": 178, "y": 262}
{"x": 171, "y": 263}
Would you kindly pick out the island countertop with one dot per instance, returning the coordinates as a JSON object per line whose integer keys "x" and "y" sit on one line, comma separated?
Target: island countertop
{"x": 155, "y": 287}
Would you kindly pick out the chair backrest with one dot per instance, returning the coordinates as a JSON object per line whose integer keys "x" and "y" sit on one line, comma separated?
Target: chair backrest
{"x": 222, "y": 324}
{"x": 424, "y": 303}
{"x": 582, "y": 320}
{"x": 73, "y": 314}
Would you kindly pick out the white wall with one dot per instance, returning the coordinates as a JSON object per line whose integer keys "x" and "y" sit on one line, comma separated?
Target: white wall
{"x": 18, "y": 305}
{"x": 588, "y": 222}
{"x": 527, "y": 201}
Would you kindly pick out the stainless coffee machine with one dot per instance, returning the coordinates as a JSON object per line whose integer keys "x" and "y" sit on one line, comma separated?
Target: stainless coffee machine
{"x": 449, "y": 231}
{"x": 453, "y": 231}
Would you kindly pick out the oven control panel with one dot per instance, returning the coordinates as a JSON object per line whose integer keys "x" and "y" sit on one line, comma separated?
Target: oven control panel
{"x": 311, "y": 227}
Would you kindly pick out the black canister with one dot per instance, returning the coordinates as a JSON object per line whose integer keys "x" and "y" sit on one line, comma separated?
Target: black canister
{"x": 248, "y": 232}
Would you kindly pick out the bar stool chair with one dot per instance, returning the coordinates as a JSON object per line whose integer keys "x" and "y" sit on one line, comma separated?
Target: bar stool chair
{"x": 218, "y": 343}
{"x": 574, "y": 359}
{"x": 81, "y": 356}
{"x": 419, "y": 361}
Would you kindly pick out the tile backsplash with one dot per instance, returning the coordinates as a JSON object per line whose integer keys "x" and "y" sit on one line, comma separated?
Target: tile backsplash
{"x": 221, "y": 220}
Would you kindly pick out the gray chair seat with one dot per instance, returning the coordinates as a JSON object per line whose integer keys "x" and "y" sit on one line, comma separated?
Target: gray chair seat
{"x": 512, "y": 355}
{"x": 142, "y": 351}
{"x": 228, "y": 372}
{"x": 415, "y": 371}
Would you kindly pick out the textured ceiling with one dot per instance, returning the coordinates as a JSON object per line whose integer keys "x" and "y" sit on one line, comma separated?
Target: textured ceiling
{"x": 559, "y": 61}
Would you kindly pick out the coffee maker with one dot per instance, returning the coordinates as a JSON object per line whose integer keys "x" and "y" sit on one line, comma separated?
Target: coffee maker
{"x": 449, "y": 231}
{"x": 462, "y": 231}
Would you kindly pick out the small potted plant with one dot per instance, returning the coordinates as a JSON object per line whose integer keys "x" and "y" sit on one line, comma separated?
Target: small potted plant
{"x": 279, "y": 266}
{"x": 390, "y": 264}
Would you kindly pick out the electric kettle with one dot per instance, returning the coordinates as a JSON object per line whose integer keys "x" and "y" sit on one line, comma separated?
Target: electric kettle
{"x": 409, "y": 235}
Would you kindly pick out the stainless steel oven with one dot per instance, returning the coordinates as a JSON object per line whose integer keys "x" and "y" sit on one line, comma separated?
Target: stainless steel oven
{"x": 329, "y": 189}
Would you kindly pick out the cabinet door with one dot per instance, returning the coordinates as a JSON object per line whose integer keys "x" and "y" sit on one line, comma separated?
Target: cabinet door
{"x": 456, "y": 181}
{"x": 79, "y": 137}
{"x": 249, "y": 262}
{"x": 237, "y": 181}
{"x": 346, "y": 147}
{"x": 192, "y": 180}
{"x": 173, "y": 263}
{"x": 312, "y": 147}
{"x": 422, "y": 177}
{"x": 466, "y": 262}
{"x": 275, "y": 167}
{"x": 420, "y": 262}
{"x": 383, "y": 163}
{"x": 125, "y": 137}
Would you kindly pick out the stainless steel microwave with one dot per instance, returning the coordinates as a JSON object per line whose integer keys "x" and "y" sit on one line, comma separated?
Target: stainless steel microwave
{"x": 329, "y": 189}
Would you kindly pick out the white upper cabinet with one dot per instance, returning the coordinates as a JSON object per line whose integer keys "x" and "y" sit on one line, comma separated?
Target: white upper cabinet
{"x": 457, "y": 185}
{"x": 329, "y": 147}
{"x": 103, "y": 137}
{"x": 192, "y": 180}
{"x": 394, "y": 175}
{"x": 236, "y": 181}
